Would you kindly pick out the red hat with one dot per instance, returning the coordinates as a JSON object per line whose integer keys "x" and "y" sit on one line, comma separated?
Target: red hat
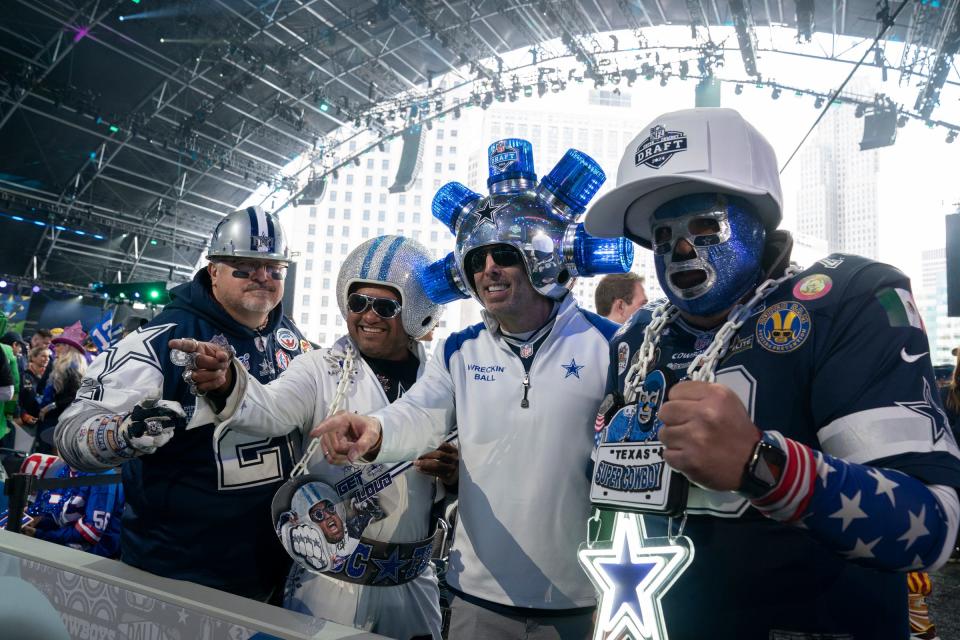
{"x": 73, "y": 336}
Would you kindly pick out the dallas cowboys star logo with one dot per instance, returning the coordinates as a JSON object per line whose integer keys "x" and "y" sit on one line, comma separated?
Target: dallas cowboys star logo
{"x": 136, "y": 347}
{"x": 572, "y": 369}
{"x": 486, "y": 211}
{"x": 929, "y": 409}
{"x": 389, "y": 568}
{"x": 633, "y": 574}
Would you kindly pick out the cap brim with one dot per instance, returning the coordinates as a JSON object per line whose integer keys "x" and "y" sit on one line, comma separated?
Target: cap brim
{"x": 607, "y": 217}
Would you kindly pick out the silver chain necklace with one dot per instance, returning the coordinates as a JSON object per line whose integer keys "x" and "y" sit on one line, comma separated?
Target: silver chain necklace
{"x": 703, "y": 366}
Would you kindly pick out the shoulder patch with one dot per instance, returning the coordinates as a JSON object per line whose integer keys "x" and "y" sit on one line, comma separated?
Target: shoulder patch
{"x": 783, "y": 327}
{"x": 813, "y": 287}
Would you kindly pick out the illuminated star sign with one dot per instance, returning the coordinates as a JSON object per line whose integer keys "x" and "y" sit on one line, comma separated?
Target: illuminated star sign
{"x": 572, "y": 369}
{"x": 632, "y": 574}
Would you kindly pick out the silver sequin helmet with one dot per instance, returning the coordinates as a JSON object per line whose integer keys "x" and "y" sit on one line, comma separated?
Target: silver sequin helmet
{"x": 396, "y": 262}
{"x": 249, "y": 233}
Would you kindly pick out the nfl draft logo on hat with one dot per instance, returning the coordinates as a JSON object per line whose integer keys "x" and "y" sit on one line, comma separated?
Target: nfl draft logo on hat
{"x": 659, "y": 147}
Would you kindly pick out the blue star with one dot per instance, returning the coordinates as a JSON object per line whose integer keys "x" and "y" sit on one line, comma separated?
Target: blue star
{"x": 389, "y": 568}
{"x": 632, "y": 574}
{"x": 929, "y": 408}
{"x": 572, "y": 369}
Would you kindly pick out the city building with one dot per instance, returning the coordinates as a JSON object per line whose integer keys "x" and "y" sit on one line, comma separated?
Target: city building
{"x": 942, "y": 330}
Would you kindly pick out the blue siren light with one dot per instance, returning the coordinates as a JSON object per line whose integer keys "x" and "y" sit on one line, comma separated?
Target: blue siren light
{"x": 593, "y": 255}
{"x": 574, "y": 181}
{"x": 451, "y": 201}
{"x": 510, "y": 159}
{"x": 441, "y": 282}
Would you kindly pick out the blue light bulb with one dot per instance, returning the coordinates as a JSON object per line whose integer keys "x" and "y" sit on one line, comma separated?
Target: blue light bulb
{"x": 450, "y": 202}
{"x": 593, "y": 255}
{"x": 441, "y": 281}
{"x": 511, "y": 166}
{"x": 574, "y": 181}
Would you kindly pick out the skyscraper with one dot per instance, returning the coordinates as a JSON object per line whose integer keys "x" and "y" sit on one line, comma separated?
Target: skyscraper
{"x": 943, "y": 331}
{"x": 837, "y": 197}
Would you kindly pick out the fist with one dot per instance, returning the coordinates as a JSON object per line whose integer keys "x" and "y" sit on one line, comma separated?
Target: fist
{"x": 206, "y": 365}
{"x": 443, "y": 463}
{"x": 151, "y": 424}
{"x": 707, "y": 434}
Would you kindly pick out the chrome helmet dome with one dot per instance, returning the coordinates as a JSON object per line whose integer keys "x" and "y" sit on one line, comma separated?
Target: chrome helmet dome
{"x": 249, "y": 233}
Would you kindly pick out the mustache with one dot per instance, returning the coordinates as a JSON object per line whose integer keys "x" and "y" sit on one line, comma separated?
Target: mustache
{"x": 260, "y": 287}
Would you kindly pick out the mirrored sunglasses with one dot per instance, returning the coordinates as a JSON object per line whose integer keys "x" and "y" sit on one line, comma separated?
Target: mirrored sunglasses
{"x": 503, "y": 256}
{"x": 383, "y": 307}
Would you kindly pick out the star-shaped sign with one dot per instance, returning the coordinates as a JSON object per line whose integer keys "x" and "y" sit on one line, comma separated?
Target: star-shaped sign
{"x": 632, "y": 574}
{"x": 389, "y": 568}
{"x": 928, "y": 408}
{"x": 572, "y": 369}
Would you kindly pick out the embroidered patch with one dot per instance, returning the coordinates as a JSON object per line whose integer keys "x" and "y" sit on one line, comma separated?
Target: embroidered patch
{"x": 287, "y": 339}
{"x": 783, "y": 327}
{"x": 813, "y": 287}
{"x": 305, "y": 345}
{"x": 623, "y": 357}
{"x": 659, "y": 147}
{"x": 283, "y": 360}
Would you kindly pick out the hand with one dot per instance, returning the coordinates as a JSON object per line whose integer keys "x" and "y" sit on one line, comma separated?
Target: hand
{"x": 29, "y": 530}
{"x": 707, "y": 434}
{"x": 443, "y": 463}
{"x": 151, "y": 424}
{"x": 28, "y": 419}
{"x": 344, "y": 437}
{"x": 211, "y": 370}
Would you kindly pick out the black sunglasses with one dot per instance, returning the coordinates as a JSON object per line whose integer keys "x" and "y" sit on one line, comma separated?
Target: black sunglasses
{"x": 245, "y": 270}
{"x": 383, "y": 307}
{"x": 503, "y": 256}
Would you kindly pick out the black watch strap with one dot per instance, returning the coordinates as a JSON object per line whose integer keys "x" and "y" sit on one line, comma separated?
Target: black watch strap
{"x": 764, "y": 469}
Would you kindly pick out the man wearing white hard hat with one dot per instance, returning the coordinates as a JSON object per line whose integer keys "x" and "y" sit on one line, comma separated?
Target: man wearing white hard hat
{"x": 804, "y": 447}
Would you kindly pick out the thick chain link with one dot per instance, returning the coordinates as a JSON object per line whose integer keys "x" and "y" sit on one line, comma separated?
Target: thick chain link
{"x": 703, "y": 366}
{"x": 344, "y": 382}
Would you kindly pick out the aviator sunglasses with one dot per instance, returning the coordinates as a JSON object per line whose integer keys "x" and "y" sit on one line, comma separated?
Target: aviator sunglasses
{"x": 503, "y": 256}
{"x": 245, "y": 270}
{"x": 383, "y": 307}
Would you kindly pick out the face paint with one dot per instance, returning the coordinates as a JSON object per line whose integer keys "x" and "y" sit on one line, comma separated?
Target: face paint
{"x": 708, "y": 249}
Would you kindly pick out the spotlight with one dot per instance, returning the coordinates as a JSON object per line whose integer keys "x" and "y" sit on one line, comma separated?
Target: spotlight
{"x": 3, "y": 284}
{"x": 859, "y": 111}
{"x": 738, "y": 89}
{"x": 951, "y": 136}
{"x": 901, "y": 122}
{"x": 36, "y": 288}
{"x": 776, "y": 93}
{"x": 818, "y": 103}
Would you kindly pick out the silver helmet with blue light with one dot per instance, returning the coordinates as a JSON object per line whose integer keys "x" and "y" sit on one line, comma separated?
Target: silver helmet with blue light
{"x": 538, "y": 220}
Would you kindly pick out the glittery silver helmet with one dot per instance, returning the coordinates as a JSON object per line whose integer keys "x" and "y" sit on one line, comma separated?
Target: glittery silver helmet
{"x": 540, "y": 221}
{"x": 396, "y": 262}
{"x": 249, "y": 233}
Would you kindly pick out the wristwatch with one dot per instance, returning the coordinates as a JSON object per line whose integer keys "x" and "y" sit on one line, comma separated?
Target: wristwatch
{"x": 763, "y": 469}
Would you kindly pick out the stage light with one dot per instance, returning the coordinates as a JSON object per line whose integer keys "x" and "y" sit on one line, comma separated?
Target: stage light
{"x": 901, "y": 122}
{"x": 153, "y": 243}
{"x": 738, "y": 89}
{"x": 951, "y": 136}
{"x": 3, "y": 284}
{"x": 35, "y": 288}
{"x": 859, "y": 111}
{"x": 776, "y": 93}
{"x": 818, "y": 103}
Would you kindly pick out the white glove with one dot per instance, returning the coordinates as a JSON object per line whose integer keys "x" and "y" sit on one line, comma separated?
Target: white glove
{"x": 151, "y": 424}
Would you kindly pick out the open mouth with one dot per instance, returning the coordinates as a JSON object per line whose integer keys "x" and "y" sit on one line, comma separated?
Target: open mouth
{"x": 371, "y": 330}
{"x": 688, "y": 279}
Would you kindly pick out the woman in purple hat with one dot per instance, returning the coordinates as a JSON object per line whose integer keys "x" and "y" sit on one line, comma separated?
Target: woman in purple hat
{"x": 68, "y": 368}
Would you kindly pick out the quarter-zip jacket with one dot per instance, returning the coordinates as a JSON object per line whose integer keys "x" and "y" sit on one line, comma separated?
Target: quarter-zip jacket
{"x": 524, "y": 487}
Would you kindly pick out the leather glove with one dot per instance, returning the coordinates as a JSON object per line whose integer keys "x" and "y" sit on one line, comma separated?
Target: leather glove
{"x": 151, "y": 424}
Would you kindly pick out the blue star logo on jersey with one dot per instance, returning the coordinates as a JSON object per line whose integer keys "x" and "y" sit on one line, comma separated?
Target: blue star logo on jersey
{"x": 389, "y": 568}
{"x": 632, "y": 574}
{"x": 572, "y": 369}
{"x": 929, "y": 408}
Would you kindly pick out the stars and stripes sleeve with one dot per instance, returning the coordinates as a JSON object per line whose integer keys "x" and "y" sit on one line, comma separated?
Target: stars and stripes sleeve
{"x": 877, "y": 517}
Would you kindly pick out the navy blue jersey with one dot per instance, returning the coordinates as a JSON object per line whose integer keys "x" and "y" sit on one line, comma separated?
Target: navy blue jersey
{"x": 199, "y": 509}
{"x": 835, "y": 358}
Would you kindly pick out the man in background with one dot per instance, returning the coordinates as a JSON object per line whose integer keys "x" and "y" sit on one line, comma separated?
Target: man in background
{"x": 618, "y": 295}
